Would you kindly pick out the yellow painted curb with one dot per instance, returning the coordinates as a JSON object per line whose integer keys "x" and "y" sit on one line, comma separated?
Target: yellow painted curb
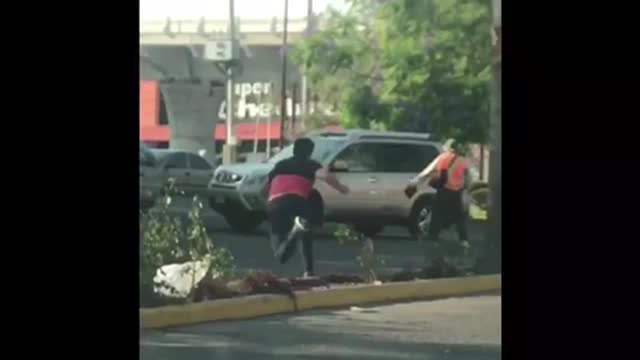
{"x": 260, "y": 305}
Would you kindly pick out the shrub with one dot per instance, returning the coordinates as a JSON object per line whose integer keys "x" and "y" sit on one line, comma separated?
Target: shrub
{"x": 367, "y": 259}
{"x": 166, "y": 239}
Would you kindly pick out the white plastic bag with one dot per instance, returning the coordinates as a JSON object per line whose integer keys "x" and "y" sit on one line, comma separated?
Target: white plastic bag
{"x": 180, "y": 278}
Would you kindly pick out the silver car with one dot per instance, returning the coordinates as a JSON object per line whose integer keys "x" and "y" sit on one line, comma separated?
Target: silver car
{"x": 190, "y": 172}
{"x": 376, "y": 166}
{"x": 150, "y": 184}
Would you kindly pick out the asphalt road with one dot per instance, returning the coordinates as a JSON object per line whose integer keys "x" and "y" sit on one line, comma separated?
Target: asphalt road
{"x": 253, "y": 252}
{"x": 449, "y": 329}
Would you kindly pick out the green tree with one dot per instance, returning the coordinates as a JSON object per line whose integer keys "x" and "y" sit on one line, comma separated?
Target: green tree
{"x": 339, "y": 61}
{"x": 396, "y": 63}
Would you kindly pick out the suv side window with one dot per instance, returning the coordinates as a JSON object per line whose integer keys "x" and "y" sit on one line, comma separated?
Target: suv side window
{"x": 198, "y": 163}
{"x": 406, "y": 158}
{"x": 429, "y": 153}
{"x": 361, "y": 157}
{"x": 176, "y": 161}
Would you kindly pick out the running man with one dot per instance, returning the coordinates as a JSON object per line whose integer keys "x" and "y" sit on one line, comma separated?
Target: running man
{"x": 288, "y": 187}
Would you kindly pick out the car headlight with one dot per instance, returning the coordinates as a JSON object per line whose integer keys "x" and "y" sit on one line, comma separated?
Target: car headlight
{"x": 226, "y": 177}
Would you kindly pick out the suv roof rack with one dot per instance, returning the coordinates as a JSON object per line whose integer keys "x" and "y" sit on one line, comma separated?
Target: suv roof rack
{"x": 332, "y": 134}
{"x": 397, "y": 137}
{"x": 373, "y": 134}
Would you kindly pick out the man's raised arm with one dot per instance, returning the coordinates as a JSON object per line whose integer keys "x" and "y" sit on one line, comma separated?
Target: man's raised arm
{"x": 327, "y": 176}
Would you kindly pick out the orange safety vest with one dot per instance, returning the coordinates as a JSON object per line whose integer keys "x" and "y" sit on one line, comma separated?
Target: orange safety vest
{"x": 455, "y": 177}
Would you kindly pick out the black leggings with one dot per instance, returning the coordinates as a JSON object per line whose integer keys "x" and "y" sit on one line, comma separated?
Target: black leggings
{"x": 448, "y": 210}
{"x": 282, "y": 212}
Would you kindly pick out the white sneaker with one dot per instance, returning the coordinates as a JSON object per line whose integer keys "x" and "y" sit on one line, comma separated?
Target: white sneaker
{"x": 300, "y": 224}
{"x": 299, "y": 227}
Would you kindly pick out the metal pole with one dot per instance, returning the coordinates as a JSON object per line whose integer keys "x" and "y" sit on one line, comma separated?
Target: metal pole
{"x": 303, "y": 102}
{"x": 283, "y": 85}
{"x": 482, "y": 161}
{"x": 294, "y": 98}
{"x": 492, "y": 260}
{"x": 269, "y": 119}
{"x": 255, "y": 135}
{"x": 232, "y": 36}
{"x": 303, "y": 95}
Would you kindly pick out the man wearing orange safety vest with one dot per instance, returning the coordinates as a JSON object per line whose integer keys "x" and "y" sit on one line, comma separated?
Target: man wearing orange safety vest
{"x": 449, "y": 174}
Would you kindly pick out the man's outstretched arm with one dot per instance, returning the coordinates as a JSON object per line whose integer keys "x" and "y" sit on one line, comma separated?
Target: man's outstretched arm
{"x": 427, "y": 171}
{"x": 327, "y": 176}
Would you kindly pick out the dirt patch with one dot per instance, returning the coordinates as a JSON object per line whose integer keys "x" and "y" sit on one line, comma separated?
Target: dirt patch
{"x": 269, "y": 283}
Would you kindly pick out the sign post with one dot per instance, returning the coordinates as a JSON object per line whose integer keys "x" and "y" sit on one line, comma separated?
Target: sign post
{"x": 283, "y": 85}
{"x": 270, "y": 119}
{"x": 255, "y": 135}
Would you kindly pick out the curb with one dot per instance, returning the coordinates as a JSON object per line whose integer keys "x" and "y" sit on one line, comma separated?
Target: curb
{"x": 260, "y": 305}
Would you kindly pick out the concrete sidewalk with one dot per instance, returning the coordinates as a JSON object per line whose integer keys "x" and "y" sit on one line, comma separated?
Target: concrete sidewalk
{"x": 456, "y": 328}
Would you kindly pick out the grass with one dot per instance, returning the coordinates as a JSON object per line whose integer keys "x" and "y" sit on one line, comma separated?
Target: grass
{"x": 476, "y": 213}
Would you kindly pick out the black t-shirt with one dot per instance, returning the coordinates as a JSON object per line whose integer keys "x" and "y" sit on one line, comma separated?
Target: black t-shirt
{"x": 295, "y": 166}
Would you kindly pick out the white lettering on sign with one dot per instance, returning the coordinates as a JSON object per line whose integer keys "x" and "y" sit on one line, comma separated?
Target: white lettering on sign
{"x": 246, "y": 89}
{"x": 253, "y": 100}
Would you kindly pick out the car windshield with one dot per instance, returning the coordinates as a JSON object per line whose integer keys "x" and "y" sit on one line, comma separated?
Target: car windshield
{"x": 146, "y": 157}
{"x": 323, "y": 149}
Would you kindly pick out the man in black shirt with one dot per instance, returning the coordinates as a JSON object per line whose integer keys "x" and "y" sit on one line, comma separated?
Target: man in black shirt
{"x": 288, "y": 209}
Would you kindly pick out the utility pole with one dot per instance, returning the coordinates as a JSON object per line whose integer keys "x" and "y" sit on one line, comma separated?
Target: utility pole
{"x": 257, "y": 123}
{"x": 229, "y": 149}
{"x": 482, "y": 169}
{"x": 283, "y": 86}
{"x": 294, "y": 98}
{"x": 492, "y": 259}
{"x": 270, "y": 118}
{"x": 304, "y": 87}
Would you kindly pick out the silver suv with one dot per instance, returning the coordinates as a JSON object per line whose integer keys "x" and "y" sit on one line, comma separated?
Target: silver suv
{"x": 376, "y": 167}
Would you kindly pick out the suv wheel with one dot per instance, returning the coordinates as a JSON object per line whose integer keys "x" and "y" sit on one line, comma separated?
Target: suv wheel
{"x": 243, "y": 221}
{"x": 420, "y": 218}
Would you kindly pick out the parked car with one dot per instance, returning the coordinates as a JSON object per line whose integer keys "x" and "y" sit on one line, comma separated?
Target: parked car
{"x": 150, "y": 185}
{"x": 376, "y": 166}
{"x": 190, "y": 172}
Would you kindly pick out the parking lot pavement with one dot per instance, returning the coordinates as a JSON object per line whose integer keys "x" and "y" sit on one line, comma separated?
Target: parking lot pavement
{"x": 253, "y": 252}
{"x": 455, "y": 329}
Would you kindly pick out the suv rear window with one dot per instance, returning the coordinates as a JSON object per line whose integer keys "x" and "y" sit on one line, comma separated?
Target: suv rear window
{"x": 406, "y": 158}
{"x": 362, "y": 157}
{"x": 323, "y": 149}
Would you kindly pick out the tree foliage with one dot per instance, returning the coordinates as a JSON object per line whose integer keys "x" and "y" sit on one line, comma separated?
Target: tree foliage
{"x": 403, "y": 64}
